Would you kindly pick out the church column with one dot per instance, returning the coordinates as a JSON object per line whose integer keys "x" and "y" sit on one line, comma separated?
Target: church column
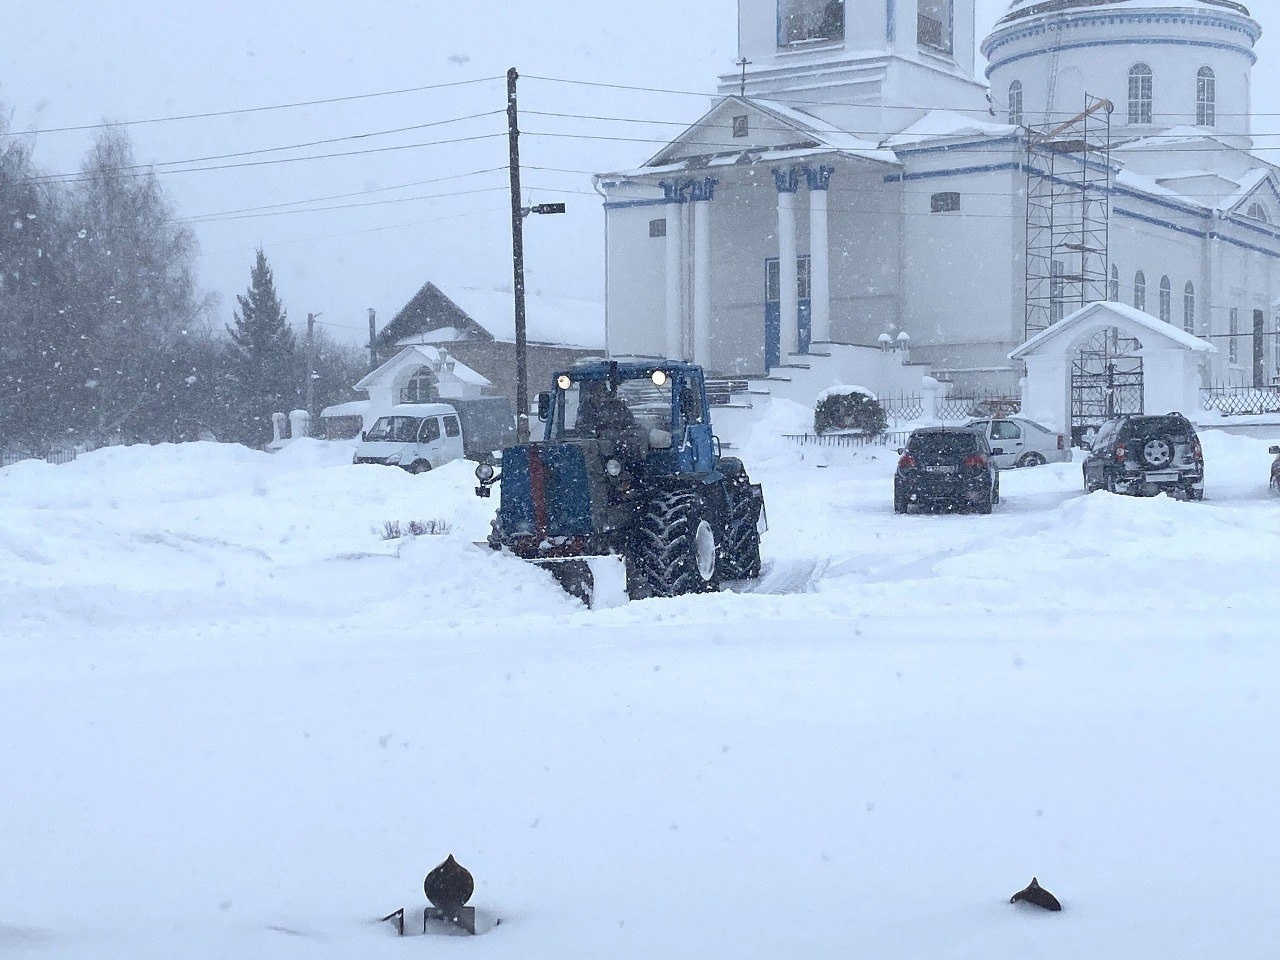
{"x": 703, "y": 193}
{"x": 787, "y": 181}
{"x": 819, "y": 252}
{"x": 675, "y": 196}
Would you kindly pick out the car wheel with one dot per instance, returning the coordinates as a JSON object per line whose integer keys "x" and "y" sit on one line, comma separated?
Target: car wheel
{"x": 1156, "y": 452}
{"x": 419, "y": 466}
{"x": 1031, "y": 460}
{"x": 995, "y": 497}
{"x": 901, "y": 502}
{"x": 986, "y": 502}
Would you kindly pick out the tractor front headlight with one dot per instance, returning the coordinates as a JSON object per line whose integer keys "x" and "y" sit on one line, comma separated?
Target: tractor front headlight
{"x": 484, "y": 472}
{"x": 612, "y": 467}
{"x": 564, "y": 381}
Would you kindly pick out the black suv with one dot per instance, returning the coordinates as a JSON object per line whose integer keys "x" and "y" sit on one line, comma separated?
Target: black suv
{"x": 1144, "y": 456}
{"x": 946, "y": 466}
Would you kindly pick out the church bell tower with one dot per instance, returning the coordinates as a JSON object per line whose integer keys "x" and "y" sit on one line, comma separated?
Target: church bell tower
{"x": 868, "y": 66}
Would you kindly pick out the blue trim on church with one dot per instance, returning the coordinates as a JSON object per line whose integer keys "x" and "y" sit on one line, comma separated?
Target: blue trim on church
{"x": 1128, "y": 42}
{"x": 1077, "y": 20}
{"x": 890, "y": 21}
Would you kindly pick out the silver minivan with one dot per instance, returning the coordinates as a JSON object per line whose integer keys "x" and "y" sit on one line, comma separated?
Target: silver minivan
{"x": 415, "y": 436}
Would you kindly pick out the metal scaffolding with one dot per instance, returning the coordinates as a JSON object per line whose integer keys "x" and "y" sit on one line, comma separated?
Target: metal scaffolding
{"x": 1068, "y": 215}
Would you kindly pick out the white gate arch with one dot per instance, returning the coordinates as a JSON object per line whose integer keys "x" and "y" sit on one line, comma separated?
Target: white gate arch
{"x": 1171, "y": 362}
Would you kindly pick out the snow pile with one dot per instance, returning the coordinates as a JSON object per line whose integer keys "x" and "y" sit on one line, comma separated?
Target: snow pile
{"x": 239, "y": 723}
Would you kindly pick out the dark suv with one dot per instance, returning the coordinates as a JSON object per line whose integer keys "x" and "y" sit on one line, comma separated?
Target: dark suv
{"x": 1143, "y": 456}
{"x": 946, "y": 466}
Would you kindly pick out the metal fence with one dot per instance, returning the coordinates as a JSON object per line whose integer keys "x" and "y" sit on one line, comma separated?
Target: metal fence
{"x": 959, "y": 406}
{"x": 11, "y": 456}
{"x": 1241, "y": 401}
{"x": 891, "y": 438}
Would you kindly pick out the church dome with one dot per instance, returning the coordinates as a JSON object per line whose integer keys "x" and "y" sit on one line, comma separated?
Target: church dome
{"x": 1023, "y": 9}
{"x": 1162, "y": 63}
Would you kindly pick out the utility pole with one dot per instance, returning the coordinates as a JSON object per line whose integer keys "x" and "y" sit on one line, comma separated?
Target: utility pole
{"x": 311, "y": 367}
{"x": 517, "y": 260}
{"x": 373, "y": 334}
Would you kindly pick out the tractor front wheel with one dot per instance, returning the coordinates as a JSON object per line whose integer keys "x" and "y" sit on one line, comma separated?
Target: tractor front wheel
{"x": 675, "y": 545}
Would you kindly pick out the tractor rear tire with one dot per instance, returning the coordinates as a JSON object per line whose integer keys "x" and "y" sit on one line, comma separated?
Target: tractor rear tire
{"x": 741, "y": 560}
{"x": 674, "y": 545}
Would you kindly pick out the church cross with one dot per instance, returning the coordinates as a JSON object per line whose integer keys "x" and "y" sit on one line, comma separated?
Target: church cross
{"x": 742, "y": 88}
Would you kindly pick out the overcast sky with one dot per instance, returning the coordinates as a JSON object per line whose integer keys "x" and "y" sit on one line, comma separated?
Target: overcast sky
{"x": 69, "y": 63}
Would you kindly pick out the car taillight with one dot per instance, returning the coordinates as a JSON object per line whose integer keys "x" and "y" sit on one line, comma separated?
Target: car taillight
{"x": 1062, "y": 442}
{"x": 1119, "y": 453}
{"x": 907, "y": 462}
{"x": 975, "y": 461}
{"x": 1196, "y": 451}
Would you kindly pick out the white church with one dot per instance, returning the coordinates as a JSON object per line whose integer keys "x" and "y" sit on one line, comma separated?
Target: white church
{"x": 857, "y": 186}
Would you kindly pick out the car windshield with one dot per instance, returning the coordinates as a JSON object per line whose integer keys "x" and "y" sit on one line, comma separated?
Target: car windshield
{"x": 943, "y": 444}
{"x": 589, "y": 407}
{"x": 394, "y": 429}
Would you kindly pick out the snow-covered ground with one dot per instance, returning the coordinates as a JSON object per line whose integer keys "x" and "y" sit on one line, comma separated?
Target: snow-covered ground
{"x": 238, "y": 723}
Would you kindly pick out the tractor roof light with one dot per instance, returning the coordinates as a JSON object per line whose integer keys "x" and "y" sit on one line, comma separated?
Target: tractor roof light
{"x": 564, "y": 381}
{"x": 484, "y": 472}
{"x": 659, "y": 377}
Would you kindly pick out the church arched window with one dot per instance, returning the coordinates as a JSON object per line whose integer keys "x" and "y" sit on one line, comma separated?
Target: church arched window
{"x": 1206, "y": 98}
{"x": 1015, "y": 103}
{"x": 1166, "y": 300}
{"x": 1115, "y": 284}
{"x": 809, "y": 21}
{"x": 1140, "y": 93}
{"x": 1258, "y": 212}
{"x": 933, "y": 24}
{"x": 1140, "y": 291}
{"x": 1189, "y": 307}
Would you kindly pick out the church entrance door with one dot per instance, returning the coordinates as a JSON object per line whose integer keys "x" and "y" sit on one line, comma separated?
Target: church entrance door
{"x": 773, "y": 310}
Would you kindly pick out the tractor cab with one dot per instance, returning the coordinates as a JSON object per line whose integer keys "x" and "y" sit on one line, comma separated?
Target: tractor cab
{"x": 647, "y": 415}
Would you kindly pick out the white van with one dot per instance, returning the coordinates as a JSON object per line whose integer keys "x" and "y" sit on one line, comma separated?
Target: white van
{"x": 415, "y": 436}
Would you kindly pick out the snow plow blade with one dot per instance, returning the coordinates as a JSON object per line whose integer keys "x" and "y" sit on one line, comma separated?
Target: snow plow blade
{"x": 599, "y": 582}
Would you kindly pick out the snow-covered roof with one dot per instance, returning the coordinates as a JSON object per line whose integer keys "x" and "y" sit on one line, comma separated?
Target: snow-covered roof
{"x": 549, "y": 318}
{"x": 1025, "y": 9}
{"x": 1118, "y": 311}
{"x": 352, "y": 408}
{"x": 947, "y": 123}
{"x": 428, "y": 356}
{"x": 825, "y": 132}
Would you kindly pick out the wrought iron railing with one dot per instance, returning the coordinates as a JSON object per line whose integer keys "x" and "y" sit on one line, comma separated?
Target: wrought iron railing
{"x": 10, "y": 457}
{"x": 1241, "y": 401}
{"x": 891, "y": 438}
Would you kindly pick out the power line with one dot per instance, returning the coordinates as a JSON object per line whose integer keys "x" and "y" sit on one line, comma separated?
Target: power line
{"x": 89, "y": 178}
{"x": 984, "y": 111}
{"x": 248, "y": 110}
{"x": 346, "y": 206}
{"x": 342, "y": 196}
{"x": 291, "y": 146}
{"x": 792, "y": 129}
{"x": 356, "y": 233}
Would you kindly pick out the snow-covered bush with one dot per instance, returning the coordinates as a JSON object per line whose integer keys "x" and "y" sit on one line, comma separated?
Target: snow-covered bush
{"x": 849, "y": 409}
{"x": 394, "y": 529}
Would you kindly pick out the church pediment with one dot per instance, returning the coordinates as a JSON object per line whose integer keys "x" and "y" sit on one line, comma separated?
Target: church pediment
{"x": 1261, "y": 196}
{"x": 736, "y": 125}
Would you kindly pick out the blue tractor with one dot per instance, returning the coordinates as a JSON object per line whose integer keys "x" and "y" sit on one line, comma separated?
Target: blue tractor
{"x": 628, "y": 472}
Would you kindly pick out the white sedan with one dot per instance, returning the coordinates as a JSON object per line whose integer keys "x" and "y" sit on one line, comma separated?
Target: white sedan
{"x": 1019, "y": 442}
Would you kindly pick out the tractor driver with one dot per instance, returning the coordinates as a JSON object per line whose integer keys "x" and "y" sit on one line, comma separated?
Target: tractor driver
{"x": 601, "y": 412}
{"x": 604, "y": 415}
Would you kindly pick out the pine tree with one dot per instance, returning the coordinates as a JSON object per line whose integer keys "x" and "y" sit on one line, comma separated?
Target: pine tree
{"x": 262, "y": 357}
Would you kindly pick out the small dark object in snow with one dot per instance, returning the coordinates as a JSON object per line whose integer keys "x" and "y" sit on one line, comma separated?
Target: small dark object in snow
{"x": 450, "y": 885}
{"x": 398, "y": 917}
{"x": 1034, "y": 893}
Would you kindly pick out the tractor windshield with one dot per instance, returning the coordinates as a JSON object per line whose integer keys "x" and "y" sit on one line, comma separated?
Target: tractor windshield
{"x": 590, "y": 409}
